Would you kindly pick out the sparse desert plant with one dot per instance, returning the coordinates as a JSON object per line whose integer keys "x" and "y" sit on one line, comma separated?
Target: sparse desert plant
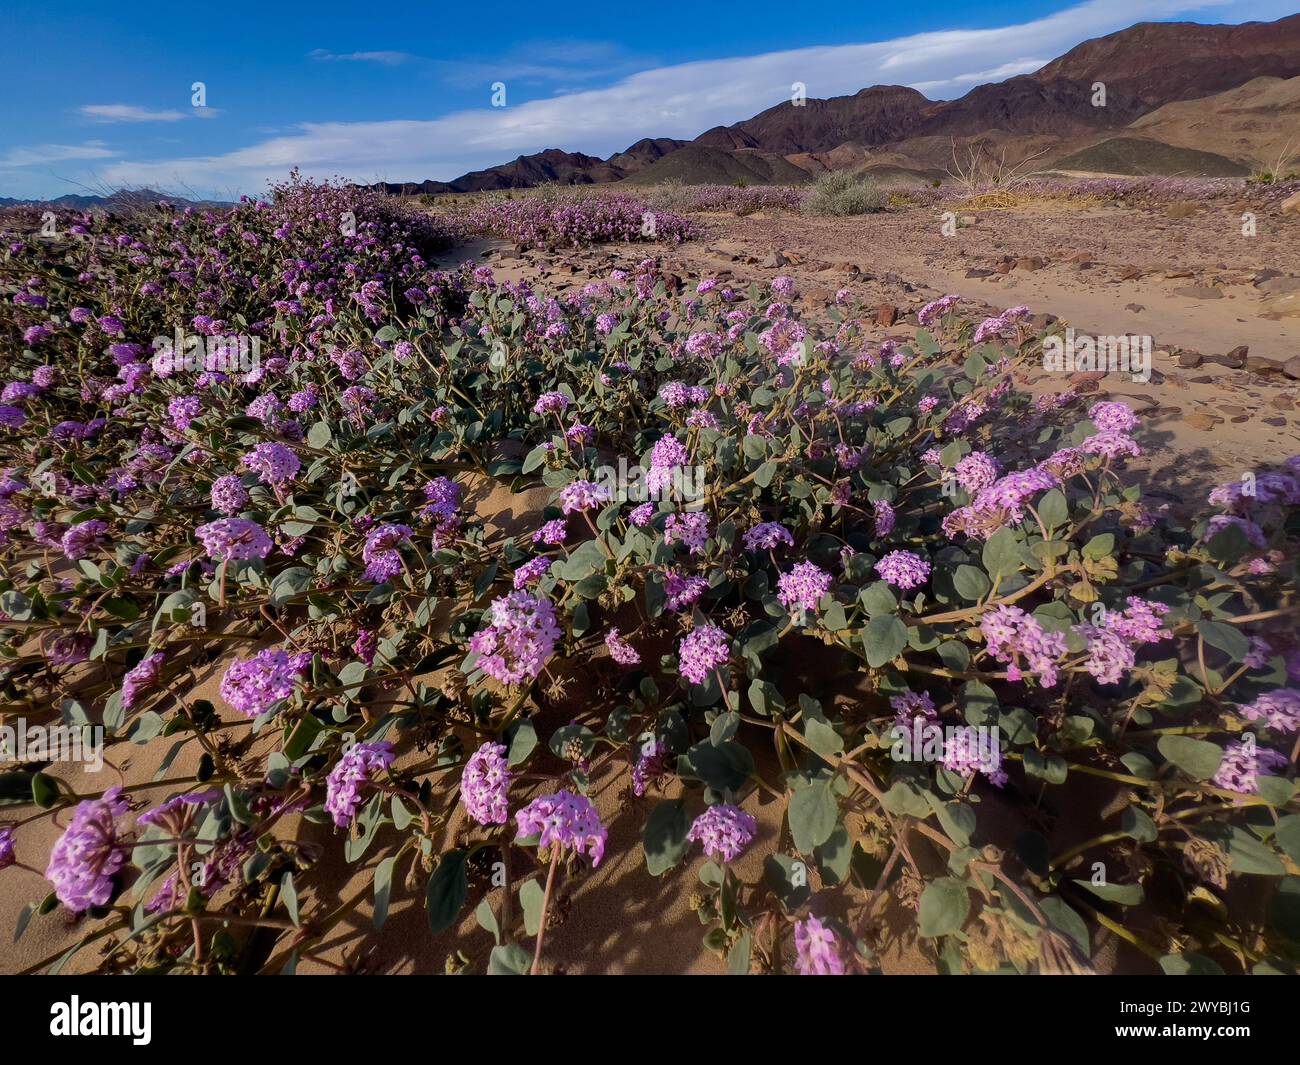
{"x": 1283, "y": 167}
{"x": 986, "y": 178}
{"x": 671, "y": 194}
{"x": 840, "y": 193}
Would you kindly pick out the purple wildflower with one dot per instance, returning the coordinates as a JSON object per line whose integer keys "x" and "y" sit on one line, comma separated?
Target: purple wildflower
{"x": 701, "y": 651}
{"x": 89, "y": 853}
{"x": 485, "y": 785}
{"x": 724, "y": 830}
{"x": 903, "y": 569}
{"x": 564, "y": 820}
{"x": 350, "y": 774}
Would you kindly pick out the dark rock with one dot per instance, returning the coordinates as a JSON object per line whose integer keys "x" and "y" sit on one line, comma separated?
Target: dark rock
{"x": 1262, "y": 364}
{"x": 1233, "y": 360}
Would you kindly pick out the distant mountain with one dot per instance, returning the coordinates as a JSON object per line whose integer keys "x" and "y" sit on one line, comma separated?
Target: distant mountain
{"x": 1159, "y": 62}
{"x": 873, "y": 116}
{"x": 551, "y": 166}
{"x": 698, "y": 164}
{"x": 644, "y": 152}
{"x": 121, "y": 198}
{"x": 1147, "y": 67}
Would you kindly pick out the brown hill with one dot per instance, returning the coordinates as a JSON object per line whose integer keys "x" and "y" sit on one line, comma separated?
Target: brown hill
{"x": 1060, "y": 107}
{"x": 1257, "y": 124}
{"x": 871, "y": 116}
{"x": 1159, "y": 62}
{"x": 552, "y": 165}
{"x": 1136, "y": 155}
{"x": 698, "y": 164}
{"x": 644, "y": 152}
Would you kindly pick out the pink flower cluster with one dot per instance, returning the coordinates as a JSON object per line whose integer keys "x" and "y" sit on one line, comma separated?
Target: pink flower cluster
{"x": 519, "y": 640}
{"x": 485, "y": 785}
{"x": 1013, "y": 636}
{"x": 564, "y": 820}
{"x": 255, "y": 685}
{"x": 724, "y": 830}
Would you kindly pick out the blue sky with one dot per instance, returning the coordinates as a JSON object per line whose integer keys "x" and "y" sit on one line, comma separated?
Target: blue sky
{"x": 99, "y": 96}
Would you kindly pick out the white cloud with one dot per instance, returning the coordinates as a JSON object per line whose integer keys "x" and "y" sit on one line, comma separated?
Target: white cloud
{"x": 676, "y": 101}
{"x": 41, "y": 154}
{"x": 128, "y": 113}
{"x": 535, "y": 62}
{"x": 387, "y": 59}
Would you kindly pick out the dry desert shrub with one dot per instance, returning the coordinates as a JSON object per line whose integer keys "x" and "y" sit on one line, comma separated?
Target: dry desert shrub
{"x": 840, "y": 193}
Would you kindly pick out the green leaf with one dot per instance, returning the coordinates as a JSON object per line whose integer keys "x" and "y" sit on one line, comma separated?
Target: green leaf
{"x": 1049, "y": 767}
{"x": 1001, "y": 555}
{"x": 835, "y": 856}
{"x": 958, "y": 820}
{"x": 509, "y": 960}
{"x": 1249, "y": 855}
{"x": 45, "y": 791}
{"x": 383, "y": 890}
{"x": 531, "y": 897}
{"x": 1287, "y": 835}
{"x": 1138, "y": 824}
{"x": 971, "y": 583}
{"x": 664, "y": 836}
{"x": 726, "y": 766}
{"x": 883, "y": 640}
{"x": 288, "y": 583}
{"x": 945, "y": 905}
{"x": 788, "y": 879}
{"x": 1053, "y": 509}
{"x": 1124, "y": 894}
{"x": 24, "y": 918}
{"x": 446, "y": 891}
{"x": 1102, "y": 546}
{"x": 738, "y": 957}
{"x": 1227, "y": 638}
{"x": 724, "y": 727}
{"x": 319, "y": 434}
{"x": 877, "y": 599}
{"x": 822, "y": 737}
{"x": 1284, "y": 909}
{"x": 1189, "y": 963}
{"x": 813, "y": 814}
{"x": 1199, "y": 759}
{"x": 521, "y": 738}
{"x": 487, "y": 919}
{"x": 1067, "y": 920}
{"x": 289, "y": 893}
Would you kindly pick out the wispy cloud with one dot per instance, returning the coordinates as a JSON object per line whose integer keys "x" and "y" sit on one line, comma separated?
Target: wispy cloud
{"x": 387, "y": 59}
{"x": 128, "y": 113}
{"x": 42, "y": 154}
{"x": 981, "y": 77}
{"x": 680, "y": 100}
{"x": 539, "y": 62}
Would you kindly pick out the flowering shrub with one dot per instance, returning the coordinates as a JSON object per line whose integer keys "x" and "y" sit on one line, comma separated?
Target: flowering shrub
{"x": 575, "y": 221}
{"x": 918, "y": 651}
{"x": 736, "y": 199}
